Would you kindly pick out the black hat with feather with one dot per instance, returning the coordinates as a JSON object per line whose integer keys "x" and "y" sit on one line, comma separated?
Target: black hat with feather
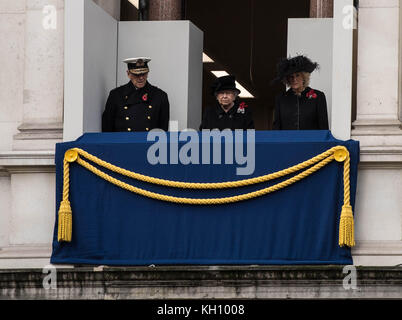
{"x": 288, "y": 66}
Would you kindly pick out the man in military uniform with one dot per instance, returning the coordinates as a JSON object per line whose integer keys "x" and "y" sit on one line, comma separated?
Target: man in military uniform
{"x": 137, "y": 105}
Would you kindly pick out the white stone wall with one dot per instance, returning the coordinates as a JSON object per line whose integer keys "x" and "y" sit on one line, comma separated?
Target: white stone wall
{"x": 31, "y": 108}
{"x": 12, "y": 26}
{"x": 378, "y": 128}
{"x": 31, "y": 102}
{"x": 12, "y": 30}
{"x": 31, "y": 122}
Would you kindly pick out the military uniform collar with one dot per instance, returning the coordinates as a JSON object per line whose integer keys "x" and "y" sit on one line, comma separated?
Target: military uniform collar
{"x": 130, "y": 88}
{"x": 132, "y": 94}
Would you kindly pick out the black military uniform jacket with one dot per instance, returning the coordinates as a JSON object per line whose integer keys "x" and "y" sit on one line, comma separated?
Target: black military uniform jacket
{"x": 131, "y": 109}
{"x": 305, "y": 112}
{"x": 238, "y": 117}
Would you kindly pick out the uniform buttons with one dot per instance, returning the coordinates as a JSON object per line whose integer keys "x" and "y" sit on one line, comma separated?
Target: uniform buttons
{"x": 126, "y": 97}
{"x": 147, "y": 129}
{"x": 127, "y": 118}
{"x": 128, "y": 129}
{"x": 149, "y": 118}
{"x": 125, "y": 107}
{"x": 150, "y": 107}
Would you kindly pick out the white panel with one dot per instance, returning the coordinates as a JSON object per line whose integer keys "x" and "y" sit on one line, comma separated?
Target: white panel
{"x": 100, "y": 56}
{"x": 378, "y": 205}
{"x": 195, "y": 78}
{"x": 5, "y": 209}
{"x": 342, "y": 69}
{"x": 73, "y": 69}
{"x": 175, "y": 68}
{"x": 110, "y": 6}
{"x": 313, "y": 38}
{"x": 32, "y": 219}
{"x": 90, "y": 66}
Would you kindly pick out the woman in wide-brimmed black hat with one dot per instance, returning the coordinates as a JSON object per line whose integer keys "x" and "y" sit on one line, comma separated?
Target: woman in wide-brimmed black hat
{"x": 300, "y": 107}
{"x": 228, "y": 112}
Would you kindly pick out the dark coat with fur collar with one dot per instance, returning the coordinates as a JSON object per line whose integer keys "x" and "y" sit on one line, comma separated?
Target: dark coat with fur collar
{"x": 305, "y": 112}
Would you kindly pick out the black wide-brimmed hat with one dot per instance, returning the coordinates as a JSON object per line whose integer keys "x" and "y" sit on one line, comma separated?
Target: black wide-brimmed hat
{"x": 224, "y": 83}
{"x": 288, "y": 66}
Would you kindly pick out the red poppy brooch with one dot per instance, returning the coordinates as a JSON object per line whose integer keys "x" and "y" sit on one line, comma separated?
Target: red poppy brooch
{"x": 145, "y": 97}
{"x": 241, "y": 108}
{"x": 311, "y": 94}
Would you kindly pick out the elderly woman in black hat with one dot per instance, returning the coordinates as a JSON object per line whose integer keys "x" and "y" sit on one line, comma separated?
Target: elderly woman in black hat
{"x": 228, "y": 112}
{"x": 300, "y": 107}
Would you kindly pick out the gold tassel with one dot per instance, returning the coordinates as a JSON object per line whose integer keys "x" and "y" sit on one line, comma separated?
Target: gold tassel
{"x": 346, "y": 227}
{"x": 65, "y": 222}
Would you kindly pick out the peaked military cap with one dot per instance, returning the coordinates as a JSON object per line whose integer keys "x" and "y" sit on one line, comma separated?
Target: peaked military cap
{"x": 137, "y": 65}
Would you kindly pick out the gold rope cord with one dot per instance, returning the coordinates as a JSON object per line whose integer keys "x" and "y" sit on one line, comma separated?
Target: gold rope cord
{"x": 208, "y": 201}
{"x": 340, "y": 153}
{"x": 214, "y": 185}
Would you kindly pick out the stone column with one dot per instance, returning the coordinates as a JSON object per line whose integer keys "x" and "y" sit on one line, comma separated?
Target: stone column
{"x": 377, "y": 124}
{"x": 42, "y": 75}
{"x": 32, "y": 58}
{"x": 378, "y": 129}
{"x": 321, "y": 8}
{"x": 12, "y": 26}
{"x": 165, "y": 10}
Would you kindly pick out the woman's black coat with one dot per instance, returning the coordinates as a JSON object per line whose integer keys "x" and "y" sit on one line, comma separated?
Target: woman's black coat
{"x": 305, "y": 112}
{"x": 238, "y": 117}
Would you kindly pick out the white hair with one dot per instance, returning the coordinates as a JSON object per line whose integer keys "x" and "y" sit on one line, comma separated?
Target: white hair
{"x": 236, "y": 93}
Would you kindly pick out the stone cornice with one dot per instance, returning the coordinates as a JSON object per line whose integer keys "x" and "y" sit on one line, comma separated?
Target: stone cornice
{"x": 26, "y": 251}
{"x": 378, "y": 248}
{"x": 38, "y": 136}
{"x": 203, "y": 282}
{"x": 375, "y": 4}
{"x": 363, "y": 247}
{"x": 380, "y": 157}
{"x": 389, "y": 157}
{"x": 380, "y": 141}
{"x": 27, "y": 161}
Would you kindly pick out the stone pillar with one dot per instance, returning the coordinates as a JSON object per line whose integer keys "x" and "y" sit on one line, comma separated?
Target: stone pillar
{"x": 165, "y": 10}
{"x": 377, "y": 124}
{"x": 42, "y": 75}
{"x": 321, "y": 8}
{"x": 378, "y": 129}
{"x": 12, "y": 26}
{"x": 31, "y": 92}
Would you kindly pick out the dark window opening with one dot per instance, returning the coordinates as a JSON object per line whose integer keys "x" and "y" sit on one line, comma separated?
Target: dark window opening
{"x": 244, "y": 38}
